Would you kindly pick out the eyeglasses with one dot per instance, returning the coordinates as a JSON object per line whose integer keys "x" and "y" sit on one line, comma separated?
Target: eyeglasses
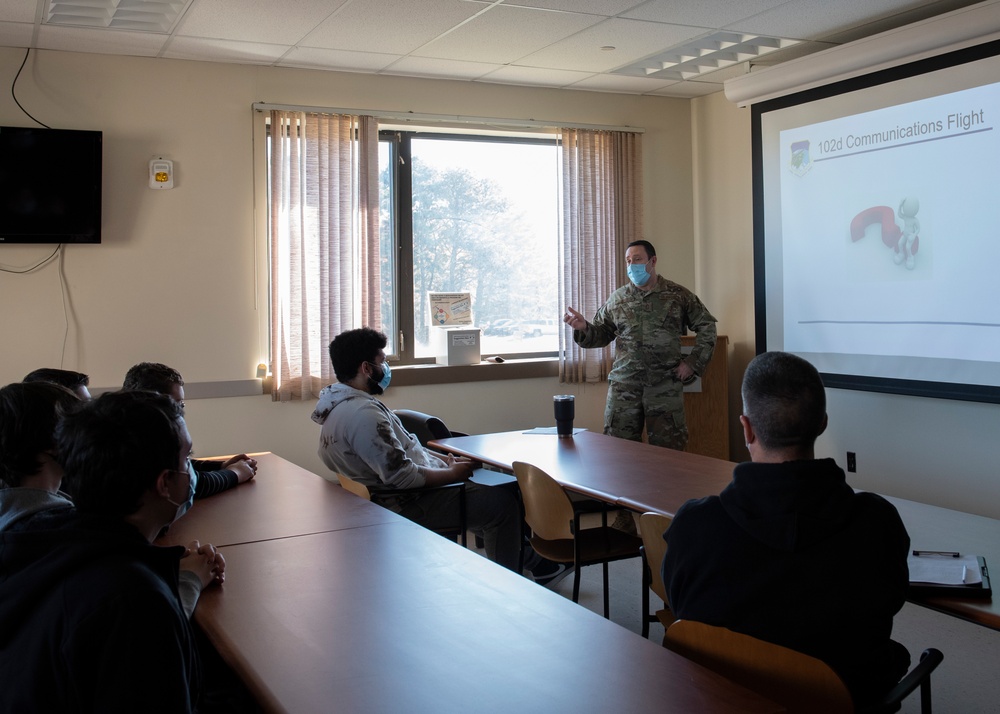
{"x": 186, "y": 469}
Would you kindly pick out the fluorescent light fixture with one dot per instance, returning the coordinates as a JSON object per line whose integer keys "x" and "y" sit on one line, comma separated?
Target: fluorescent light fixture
{"x": 158, "y": 16}
{"x": 704, "y": 55}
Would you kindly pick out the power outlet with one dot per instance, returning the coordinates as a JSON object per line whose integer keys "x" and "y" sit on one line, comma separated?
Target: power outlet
{"x": 852, "y": 462}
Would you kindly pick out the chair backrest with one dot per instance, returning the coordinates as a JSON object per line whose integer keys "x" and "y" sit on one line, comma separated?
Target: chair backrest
{"x": 797, "y": 681}
{"x": 423, "y": 426}
{"x": 547, "y": 509}
{"x": 355, "y": 487}
{"x": 651, "y": 528}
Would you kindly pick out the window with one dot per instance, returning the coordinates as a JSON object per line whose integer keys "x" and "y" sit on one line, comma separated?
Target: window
{"x": 470, "y": 214}
{"x": 363, "y": 224}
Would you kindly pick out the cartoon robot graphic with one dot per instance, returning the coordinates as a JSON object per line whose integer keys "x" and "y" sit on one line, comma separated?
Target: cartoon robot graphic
{"x": 904, "y": 242}
{"x": 906, "y": 248}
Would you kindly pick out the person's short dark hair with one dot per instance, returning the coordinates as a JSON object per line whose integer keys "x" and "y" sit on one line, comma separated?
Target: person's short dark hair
{"x": 63, "y": 377}
{"x": 650, "y": 250}
{"x": 152, "y": 377}
{"x": 29, "y": 413}
{"x": 784, "y": 399}
{"x": 351, "y": 349}
{"x": 114, "y": 448}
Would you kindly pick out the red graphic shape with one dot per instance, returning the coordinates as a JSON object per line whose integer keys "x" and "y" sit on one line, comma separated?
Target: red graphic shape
{"x": 878, "y": 214}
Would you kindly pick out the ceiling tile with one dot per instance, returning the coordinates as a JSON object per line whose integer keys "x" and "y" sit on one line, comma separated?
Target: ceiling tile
{"x": 631, "y": 39}
{"x": 503, "y": 34}
{"x": 312, "y": 58}
{"x": 534, "y": 76}
{"x": 707, "y": 13}
{"x": 384, "y": 26}
{"x": 621, "y": 83}
{"x": 18, "y": 10}
{"x": 435, "y": 67}
{"x": 606, "y": 8}
{"x": 15, "y": 34}
{"x": 815, "y": 19}
{"x": 689, "y": 90}
{"x": 282, "y": 23}
{"x": 101, "y": 41}
{"x": 194, "y": 48}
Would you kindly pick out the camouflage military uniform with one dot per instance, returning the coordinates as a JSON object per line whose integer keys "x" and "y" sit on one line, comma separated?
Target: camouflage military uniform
{"x": 643, "y": 388}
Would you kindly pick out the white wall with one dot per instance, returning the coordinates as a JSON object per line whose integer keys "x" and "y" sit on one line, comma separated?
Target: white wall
{"x": 180, "y": 276}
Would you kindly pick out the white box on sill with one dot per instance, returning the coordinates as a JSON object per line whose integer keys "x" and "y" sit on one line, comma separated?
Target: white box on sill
{"x": 457, "y": 345}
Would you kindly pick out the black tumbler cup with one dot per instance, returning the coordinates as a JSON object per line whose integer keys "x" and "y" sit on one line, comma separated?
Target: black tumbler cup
{"x": 565, "y": 409}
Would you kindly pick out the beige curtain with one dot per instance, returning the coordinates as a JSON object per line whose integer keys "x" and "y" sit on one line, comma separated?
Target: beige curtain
{"x": 323, "y": 242}
{"x": 602, "y": 213}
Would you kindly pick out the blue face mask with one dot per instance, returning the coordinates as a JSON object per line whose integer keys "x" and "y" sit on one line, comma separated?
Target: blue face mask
{"x": 383, "y": 383}
{"x": 637, "y": 274}
{"x": 185, "y": 506}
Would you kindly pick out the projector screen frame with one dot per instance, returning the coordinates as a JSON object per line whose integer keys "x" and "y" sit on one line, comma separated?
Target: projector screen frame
{"x": 910, "y": 387}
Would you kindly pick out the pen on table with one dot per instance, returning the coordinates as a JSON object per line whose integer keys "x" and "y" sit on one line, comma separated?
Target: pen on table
{"x": 948, "y": 553}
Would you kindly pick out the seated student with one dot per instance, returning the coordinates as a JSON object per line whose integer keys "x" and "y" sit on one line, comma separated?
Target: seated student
{"x": 89, "y": 612}
{"x": 33, "y": 475}
{"x": 788, "y": 552}
{"x": 213, "y": 476}
{"x": 29, "y": 472}
{"x": 76, "y": 382}
{"x": 362, "y": 438}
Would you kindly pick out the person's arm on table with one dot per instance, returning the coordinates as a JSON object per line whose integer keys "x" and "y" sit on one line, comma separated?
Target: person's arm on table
{"x": 201, "y": 566}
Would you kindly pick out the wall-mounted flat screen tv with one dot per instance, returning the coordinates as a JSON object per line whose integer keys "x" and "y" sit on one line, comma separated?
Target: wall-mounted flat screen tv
{"x": 50, "y": 185}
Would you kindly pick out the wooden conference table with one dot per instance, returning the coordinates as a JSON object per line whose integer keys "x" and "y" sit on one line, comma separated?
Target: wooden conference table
{"x": 332, "y": 603}
{"x": 644, "y": 478}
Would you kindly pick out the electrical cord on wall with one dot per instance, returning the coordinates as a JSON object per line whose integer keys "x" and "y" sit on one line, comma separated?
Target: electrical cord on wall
{"x": 14, "y": 96}
{"x": 58, "y": 253}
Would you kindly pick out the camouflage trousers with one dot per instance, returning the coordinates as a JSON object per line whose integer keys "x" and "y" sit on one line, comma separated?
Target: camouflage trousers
{"x": 659, "y": 409}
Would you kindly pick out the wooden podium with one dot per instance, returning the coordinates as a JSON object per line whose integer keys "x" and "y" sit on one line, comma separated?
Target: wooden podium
{"x": 707, "y": 411}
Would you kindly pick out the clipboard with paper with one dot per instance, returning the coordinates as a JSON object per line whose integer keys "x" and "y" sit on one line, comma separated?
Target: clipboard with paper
{"x": 946, "y": 574}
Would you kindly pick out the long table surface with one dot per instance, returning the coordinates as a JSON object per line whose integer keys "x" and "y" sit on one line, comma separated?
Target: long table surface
{"x": 281, "y": 500}
{"x": 644, "y": 478}
{"x": 334, "y": 603}
{"x": 393, "y": 617}
{"x": 631, "y": 474}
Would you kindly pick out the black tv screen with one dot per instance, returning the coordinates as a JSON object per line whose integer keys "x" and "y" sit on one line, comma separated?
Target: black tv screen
{"x": 877, "y": 253}
{"x": 50, "y": 185}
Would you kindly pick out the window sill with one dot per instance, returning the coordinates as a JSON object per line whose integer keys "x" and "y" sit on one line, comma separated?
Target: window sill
{"x": 419, "y": 374}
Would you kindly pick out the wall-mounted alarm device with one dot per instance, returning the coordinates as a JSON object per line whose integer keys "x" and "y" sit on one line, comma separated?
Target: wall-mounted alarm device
{"x": 161, "y": 173}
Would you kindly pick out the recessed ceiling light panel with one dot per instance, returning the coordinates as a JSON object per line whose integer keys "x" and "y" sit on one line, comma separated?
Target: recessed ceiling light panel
{"x": 157, "y": 16}
{"x": 704, "y": 55}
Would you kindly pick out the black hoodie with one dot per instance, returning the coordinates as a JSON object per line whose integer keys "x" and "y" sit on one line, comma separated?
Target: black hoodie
{"x": 90, "y": 621}
{"x": 789, "y": 553}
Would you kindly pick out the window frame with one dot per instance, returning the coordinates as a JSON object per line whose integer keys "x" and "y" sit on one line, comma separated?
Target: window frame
{"x": 403, "y": 342}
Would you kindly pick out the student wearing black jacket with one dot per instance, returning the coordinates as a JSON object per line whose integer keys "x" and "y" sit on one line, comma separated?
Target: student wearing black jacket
{"x": 788, "y": 552}
{"x": 90, "y": 618}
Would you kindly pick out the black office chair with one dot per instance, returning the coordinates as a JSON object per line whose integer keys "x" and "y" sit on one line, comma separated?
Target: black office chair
{"x": 427, "y": 427}
{"x": 424, "y": 426}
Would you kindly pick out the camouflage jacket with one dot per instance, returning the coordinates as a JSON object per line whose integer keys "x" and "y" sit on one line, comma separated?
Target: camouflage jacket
{"x": 648, "y": 325}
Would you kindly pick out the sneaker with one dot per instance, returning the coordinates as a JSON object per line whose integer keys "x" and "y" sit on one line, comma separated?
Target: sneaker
{"x": 549, "y": 574}
{"x": 625, "y": 523}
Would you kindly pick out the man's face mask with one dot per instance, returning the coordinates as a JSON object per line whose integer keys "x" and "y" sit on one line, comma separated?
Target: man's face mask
{"x": 383, "y": 382}
{"x": 637, "y": 274}
{"x": 185, "y": 506}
